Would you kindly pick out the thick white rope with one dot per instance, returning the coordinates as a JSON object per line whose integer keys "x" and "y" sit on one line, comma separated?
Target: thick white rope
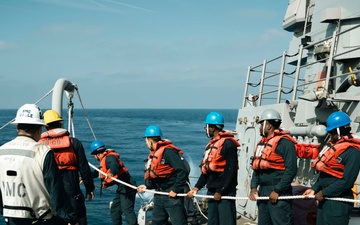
{"x": 226, "y": 197}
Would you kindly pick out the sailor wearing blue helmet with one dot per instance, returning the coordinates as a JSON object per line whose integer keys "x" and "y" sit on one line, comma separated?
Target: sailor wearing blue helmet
{"x": 338, "y": 164}
{"x": 165, "y": 171}
{"x": 219, "y": 171}
{"x": 112, "y": 165}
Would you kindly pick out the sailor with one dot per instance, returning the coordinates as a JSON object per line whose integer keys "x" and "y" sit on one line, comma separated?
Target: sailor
{"x": 32, "y": 191}
{"x": 219, "y": 171}
{"x": 338, "y": 164}
{"x": 166, "y": 172}
{"x": 71, "y": 160}
{"x": 275, "y": 166}
{"x": 124, "y": 200}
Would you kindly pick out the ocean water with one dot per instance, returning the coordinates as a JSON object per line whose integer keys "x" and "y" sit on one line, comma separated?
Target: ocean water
{"x": 123, "y": 130}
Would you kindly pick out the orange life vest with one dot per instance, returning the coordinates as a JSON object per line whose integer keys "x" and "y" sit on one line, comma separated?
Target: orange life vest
{"x": 212, "y": 160}
{"x": 328, "y": 161}
{"x": 155, "y": 166}
{"x": 60, "y": 142}
{"x": 264, "y": 154}
{"x": 108, "y": 182}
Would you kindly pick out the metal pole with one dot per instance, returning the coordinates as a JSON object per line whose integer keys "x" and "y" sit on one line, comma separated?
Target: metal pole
{"x": 246, "y": 86}
{"x": 262, "y": 82}
{"x": 330, "y": 60}
{"x": 297, "y": 73}
{"x": 281, "y": 77}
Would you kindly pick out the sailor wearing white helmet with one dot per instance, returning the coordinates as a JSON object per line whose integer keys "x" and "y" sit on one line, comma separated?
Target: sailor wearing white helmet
{"x": 274, "y": 167}
{"x": 32, "y": 191}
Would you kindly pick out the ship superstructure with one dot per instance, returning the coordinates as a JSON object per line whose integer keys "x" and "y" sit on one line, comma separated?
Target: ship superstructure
{"x": 319, "y": 74}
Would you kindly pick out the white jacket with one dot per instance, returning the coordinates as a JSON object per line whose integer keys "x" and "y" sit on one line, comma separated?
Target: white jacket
{"x": 22, "y": 184}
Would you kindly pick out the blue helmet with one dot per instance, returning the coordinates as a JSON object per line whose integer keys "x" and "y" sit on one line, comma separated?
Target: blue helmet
{"x": 214, "y": 118}
{"x": 95, "y": 146}
{"x": 336, "y": 120}
{"x": 153, "y": 131}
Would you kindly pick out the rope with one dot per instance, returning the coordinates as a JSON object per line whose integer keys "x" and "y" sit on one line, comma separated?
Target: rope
{"x": 227, "y": 197}
{"x": 254, "y": 85}
{"x": 7, "y": 124}
{"x": 86, "y": 116}
{"x": 49, "y": 92}
{"x": 113, "y": 178}
{"x": 197, "y": 203}
{"x": 284, "y": 92}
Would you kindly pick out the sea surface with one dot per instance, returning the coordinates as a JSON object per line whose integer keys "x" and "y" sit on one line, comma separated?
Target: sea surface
{"x": 123, "y": 130}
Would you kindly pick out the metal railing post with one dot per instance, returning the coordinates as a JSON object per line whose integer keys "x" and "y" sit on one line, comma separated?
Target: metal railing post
{"x": 281, "y": 77}
{"x": 297, "y": 73}
{"x": 246, "y": 86}
{"x": 262, "y": 82}
{"x": 330, "y": 60}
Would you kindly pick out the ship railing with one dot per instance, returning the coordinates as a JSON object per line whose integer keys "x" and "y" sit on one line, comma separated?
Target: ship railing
{"x": 329, "y": 60}
{"x": 264, "y": 77}
{"x": 299, "y": 82}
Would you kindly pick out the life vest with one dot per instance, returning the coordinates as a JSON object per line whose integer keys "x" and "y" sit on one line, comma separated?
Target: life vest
{"x": 212, "y": 160}
{"x": 155, "y": 165}
{"x": 264, "y": 154}
{"x": 60, "y": 142}
{"x": 329, "y": 161}
{"x": 108, "y": 182}
{"x": 23, "y": 190}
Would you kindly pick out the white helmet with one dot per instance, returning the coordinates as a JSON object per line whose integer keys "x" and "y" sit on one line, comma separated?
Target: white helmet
{"x": 270, "y": 114}
{"x": 29, "y": 114}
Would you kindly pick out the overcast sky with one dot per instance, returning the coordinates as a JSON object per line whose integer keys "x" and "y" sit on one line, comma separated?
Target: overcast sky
{"x": 137, "y": 53}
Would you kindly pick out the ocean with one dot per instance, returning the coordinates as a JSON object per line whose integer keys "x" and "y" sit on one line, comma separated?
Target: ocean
{"x": 123, "y": 130}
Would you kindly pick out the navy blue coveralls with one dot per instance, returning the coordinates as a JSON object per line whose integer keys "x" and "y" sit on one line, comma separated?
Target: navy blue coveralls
{"x": 279, "y": 181}
{"x": 71, "y": 182}
{"x": 222, "y": 212}
{"x": 337, "y": 212}
{"x": 165, "y": 206}
{"x": 124, "y": 200}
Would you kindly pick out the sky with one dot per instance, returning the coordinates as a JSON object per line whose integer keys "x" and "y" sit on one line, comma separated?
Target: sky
{"x": 137, "y": 53}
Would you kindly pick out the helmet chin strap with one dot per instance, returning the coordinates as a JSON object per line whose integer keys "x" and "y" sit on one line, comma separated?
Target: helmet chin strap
{"x": 207, "y": 131}
{"x": 263, "y": 130}
{"x": 338, "y": 132}
{"x": 148, "y": 144}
